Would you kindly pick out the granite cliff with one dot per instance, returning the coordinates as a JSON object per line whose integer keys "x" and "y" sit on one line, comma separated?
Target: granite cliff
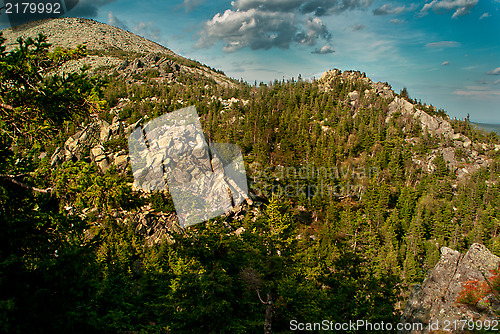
{"x": 440, "y": 298}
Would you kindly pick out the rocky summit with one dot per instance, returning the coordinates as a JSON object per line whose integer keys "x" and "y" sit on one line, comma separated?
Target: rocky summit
{"x": 472, "y": 155}
{"x": 69, "y": 32}
{"x": 110, "y": 49}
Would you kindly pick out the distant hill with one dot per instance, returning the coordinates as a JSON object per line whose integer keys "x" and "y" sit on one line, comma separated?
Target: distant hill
{"x": 68, "y": 32}
{"x": 489, "y": 127}
{"x": 109, "y": 47}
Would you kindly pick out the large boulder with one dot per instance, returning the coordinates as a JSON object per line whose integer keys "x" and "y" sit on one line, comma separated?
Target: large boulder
{"x": 436, "y": 300}
{"x": 89, "y": 143}
{"x": 121, "y": 160}
{"x": 99, "y": 156}
{"x": 155, "y": 227}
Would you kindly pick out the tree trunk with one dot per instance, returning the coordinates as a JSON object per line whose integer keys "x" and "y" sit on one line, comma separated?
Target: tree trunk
{"x": 269, "y": 314}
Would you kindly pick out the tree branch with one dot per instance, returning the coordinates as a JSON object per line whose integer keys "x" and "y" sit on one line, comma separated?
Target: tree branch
{"x": 8, "y": 134}
{"x": 12, "y": 178}
{"x": 6, "y": 106}
{"x": 258, "y": 294}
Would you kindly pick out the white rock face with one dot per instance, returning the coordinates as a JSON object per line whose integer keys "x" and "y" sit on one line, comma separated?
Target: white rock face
{"x": 433, "y": 124}
{"x": 354, "y": 95}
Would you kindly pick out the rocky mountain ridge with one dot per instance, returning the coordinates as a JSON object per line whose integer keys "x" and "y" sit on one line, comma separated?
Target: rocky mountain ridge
{"x": 463, "y": 157}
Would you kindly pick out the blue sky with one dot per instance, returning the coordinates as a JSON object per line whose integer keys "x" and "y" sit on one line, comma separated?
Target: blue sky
{"x": 446, "y": 52}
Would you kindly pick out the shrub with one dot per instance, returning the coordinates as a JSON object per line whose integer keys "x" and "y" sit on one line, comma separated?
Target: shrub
{"x": 151, "y": 73}
{"x": 116, "y": 144}
{"x": 475, "y": 290}
{"x": 106, "y": 116}
{"x": 161, "y": 202}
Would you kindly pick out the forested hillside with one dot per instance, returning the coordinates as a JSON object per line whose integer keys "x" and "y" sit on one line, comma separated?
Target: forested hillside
{"x": 355, "y": 188}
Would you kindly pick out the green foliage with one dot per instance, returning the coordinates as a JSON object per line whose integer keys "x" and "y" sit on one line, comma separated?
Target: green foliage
{"x": 106, "y": 116}
{"x": 404, "y": 94}
{"x": 280, "y": 225}
{"x": 116, "y": 144}
{"x": 161, "y": 202}
{"x": 81, "y": 185}
{"x": 441, "y": 166}
{"x": 60, "y": 55}
{"x": 151, "y": 73}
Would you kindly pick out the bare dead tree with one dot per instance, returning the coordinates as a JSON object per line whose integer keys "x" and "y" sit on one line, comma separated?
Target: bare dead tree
{"x": 252, "y": 278}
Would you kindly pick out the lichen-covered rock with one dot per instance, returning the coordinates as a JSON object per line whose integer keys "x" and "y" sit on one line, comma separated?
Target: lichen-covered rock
{"x": 105, "y": 132}
{"x": 89, "y": 143}
{"x": 435, "y": 301}
{"x": 121, "y": 160}
{"x": 155, "y": 227}
{"x": 99, "y": 156}
{"x": 57, "y": 158}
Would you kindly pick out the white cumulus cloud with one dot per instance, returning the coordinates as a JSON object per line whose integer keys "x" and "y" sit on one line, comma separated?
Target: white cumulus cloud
{"x": 265, "y": 24}
{"x": 496, "y": 71}
{"x": 459, "y": 7}
{"x": 259, "y": 29}
{"x": 324, "y": 50}
{"x": 114, "y": 21}
{"x": 253, "y": 28}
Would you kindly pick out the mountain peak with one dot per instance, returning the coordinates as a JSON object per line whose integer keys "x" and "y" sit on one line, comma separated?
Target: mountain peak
{"x": 68, "y": 32}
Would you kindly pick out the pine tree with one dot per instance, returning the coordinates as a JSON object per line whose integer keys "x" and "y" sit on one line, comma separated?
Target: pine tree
{"x": 46, "y": 262}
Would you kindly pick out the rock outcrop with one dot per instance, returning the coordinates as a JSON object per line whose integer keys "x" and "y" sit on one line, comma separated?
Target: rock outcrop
{"x": 336, "y": 76}
{"x": 171, "y": 150}
{"x": 469, "y": 162}
{"x": 471, "y": 157}
{"x": 89, "y": 142}
{"x": 435, "y": 301}
{"x": 433, "y": 124}
{"x": 155, "y": 227}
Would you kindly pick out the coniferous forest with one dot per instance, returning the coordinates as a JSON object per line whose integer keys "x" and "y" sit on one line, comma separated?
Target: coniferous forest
{"x": 344, "y": 219}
